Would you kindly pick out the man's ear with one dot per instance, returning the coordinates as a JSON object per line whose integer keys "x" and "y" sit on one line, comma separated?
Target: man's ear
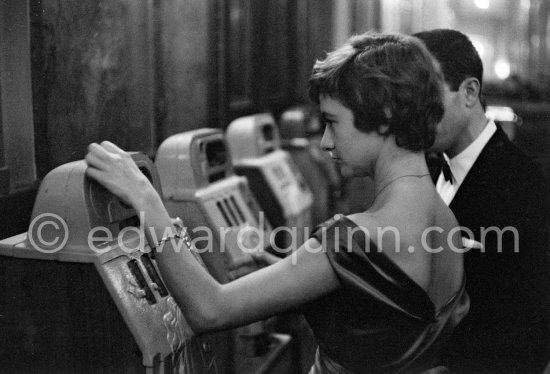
{"x": 470, "y": 89}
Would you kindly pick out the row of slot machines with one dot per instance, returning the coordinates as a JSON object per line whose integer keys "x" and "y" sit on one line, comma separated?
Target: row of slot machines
{"x": 81, "y": 292}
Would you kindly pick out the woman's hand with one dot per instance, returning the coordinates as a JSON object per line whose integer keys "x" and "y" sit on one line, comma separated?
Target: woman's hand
{"x": 265, "y": 258}
{"x": 114, "y": 169}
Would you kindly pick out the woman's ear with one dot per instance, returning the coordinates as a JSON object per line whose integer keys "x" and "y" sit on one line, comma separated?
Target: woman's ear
{"x": 470, "y": 88}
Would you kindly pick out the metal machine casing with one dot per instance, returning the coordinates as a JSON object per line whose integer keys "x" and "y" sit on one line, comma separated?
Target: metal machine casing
{"x": 83, "y": 205}
{"x": 200, "y": 187}
{"x": 274, "y": 178}
{"x": 224, "y": 220}
{"x": 252, "y": 137}
{"x": 76, "y": 206}
{"x": 191, "y": 160}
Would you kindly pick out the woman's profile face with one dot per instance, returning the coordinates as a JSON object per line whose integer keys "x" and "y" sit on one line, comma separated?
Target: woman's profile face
{"x": 346, "y": 144}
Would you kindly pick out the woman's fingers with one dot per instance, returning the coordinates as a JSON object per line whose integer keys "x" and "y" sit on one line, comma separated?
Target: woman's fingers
{"x": 94, "y": 160}
{"x": 105, "y": 151}
{"x": 115, "y": 170}
{"x": 108, "y": 156}
{"x": 99, "y": 151}
{"x": 111, "y": 147}
{"x": 113, "y": 180}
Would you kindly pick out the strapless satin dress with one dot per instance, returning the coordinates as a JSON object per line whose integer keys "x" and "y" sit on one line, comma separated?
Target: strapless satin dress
{"x": 380, "y": 320}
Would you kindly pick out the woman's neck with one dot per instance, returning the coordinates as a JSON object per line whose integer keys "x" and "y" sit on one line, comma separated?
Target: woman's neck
{"x": 395, "y": 163}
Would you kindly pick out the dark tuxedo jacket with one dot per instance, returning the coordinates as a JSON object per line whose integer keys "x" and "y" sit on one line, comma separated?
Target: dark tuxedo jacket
{"x": 506, "y": 328}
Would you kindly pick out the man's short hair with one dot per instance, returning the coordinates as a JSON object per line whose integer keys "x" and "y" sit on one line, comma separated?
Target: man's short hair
{"x": 456, "y": 55}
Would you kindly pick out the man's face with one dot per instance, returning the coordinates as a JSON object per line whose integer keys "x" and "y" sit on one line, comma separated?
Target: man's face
{"x": 453, "y": 124}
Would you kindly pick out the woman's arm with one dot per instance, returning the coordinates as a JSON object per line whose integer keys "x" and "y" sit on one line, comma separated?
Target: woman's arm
{"x": 207, "y": 305}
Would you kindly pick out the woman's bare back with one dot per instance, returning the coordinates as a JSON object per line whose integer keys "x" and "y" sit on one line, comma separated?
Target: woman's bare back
{"x": 417, "y": 231}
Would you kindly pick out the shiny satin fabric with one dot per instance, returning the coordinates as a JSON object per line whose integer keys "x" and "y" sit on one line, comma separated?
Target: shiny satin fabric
{"x": 324, "y": 365}
{"x": 380, "y": 321}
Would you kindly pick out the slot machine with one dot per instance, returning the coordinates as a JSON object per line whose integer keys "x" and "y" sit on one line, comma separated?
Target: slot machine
{"x": 225, "y": 223}
{"x": 285, "y": 198}
{"x": 81, "y": 293}
{"x": 296, "y": 125}
{"x": 274, "y": 178}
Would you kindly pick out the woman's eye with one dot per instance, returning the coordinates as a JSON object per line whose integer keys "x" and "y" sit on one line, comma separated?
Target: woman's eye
{"x": 326, "y": 122}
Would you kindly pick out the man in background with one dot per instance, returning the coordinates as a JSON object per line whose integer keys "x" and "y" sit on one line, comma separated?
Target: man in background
{"x": 493, "y": 190}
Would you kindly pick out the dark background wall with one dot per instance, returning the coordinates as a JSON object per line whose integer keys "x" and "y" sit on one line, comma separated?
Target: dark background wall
{"x": 135, "y": 72}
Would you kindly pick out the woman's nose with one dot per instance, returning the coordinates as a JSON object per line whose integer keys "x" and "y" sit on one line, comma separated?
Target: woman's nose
{"x": 326, "y": 142}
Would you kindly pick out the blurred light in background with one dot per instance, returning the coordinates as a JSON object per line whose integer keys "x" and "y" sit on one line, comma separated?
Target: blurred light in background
{"x": 482, "y": 4}
{"x": 502, "y": 69}
{"x": 479, "y": 46}
{"x": 500, "y": 113}
{"x": 512, "y": 37}
{"x": 484, "y": 47}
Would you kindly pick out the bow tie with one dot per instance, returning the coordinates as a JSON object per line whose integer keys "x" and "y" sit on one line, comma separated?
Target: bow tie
{"x": 437, "y": 165}
{"x": 446, "y": 170}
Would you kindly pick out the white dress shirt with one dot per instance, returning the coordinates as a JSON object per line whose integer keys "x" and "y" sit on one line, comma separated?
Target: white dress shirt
{"x": 461, "y": 164}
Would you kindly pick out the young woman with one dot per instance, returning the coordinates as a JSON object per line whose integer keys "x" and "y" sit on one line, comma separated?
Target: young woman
{"x": 381, "y": 289}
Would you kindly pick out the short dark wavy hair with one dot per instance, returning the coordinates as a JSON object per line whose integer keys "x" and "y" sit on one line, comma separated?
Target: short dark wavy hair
{"x": 456, "y": 55}
{"x": 384, "y": 79}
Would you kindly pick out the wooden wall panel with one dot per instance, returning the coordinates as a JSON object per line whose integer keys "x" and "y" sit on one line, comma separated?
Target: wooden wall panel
{"x": 271, "y": 52}
{"x": 314, "y": 30}
{"x": 188, "y": 64}
{"x": 367, "y": 15}
{"x": 240, "y": 55}
{"x": 261, "y": 59}
{"x": 17, "y": 139}
{"x": 539, "y": 41}
{"x": 93, "y": 75}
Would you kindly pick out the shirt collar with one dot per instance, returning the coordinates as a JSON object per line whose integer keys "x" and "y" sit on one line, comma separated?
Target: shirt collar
{"x": 462, "y": 163}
